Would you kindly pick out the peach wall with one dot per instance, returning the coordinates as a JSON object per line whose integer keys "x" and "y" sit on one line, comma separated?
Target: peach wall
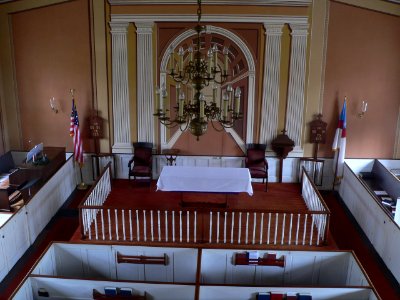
{"x": 52, "y": 55}
{"x": 363, "y": 63}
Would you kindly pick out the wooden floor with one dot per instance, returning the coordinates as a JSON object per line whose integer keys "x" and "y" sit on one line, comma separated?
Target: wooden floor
{"x": 258, "y": 225}
{"x": 279, "y": 197}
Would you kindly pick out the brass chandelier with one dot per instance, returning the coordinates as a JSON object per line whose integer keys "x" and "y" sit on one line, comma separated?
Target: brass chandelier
{"x": 199, "y": 71}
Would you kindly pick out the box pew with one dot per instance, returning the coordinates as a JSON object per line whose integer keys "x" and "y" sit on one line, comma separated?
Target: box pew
{"x": 75, "y": 271}
{"x": 101, "y": 262}
{"x": 250, "y": 293}
{"x": 25, "y": 224}
{"x": 301, "y": 268}
{"x": 65, "y": 288}
{"x": 378, "y": 225}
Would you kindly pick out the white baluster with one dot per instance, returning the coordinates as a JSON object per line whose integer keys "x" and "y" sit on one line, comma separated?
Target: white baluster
{"x": 254, "y": 228}
{"x": 298, "y": 229}
{"x": 276, "y": 227}
{"x": 269, "y": 227}
{"x": 247, "y": 227}
{"x": 210, "y": 226}
{"x": 173, "y": 226}
{"x": 232, "y": 226}
{"x": 158, "y": 225}
{"x": 109, "y": 224}
{"x": 305, "y": 229}
{"x": 261, "y": 227}
{"x": 116, "y": 223}
{"x": 283, "y": 228}
{"x": 102, "y": 224}
{"x": 290, "y": 228}
{"x": 240, "y": 227}
{"x": 180, "y": 226}
{"x": 144, "y": 226}
{"x": 123, "y": 223}
{"x": 95, "y": 228}
{"x": 311, "y": 229}
{"x": 137, "y": 226}
{"x": 195, "y": 226}
{"x": 166, "y": 225}
{"x": 187, "y": 226}
{"x": 217, "y": 227}
{"x": 130, "y": 225}
{"x": 151, "y": 226}
{"x": 225, "y": 227}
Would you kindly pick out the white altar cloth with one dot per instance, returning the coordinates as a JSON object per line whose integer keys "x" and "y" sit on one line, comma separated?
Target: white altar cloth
{"x": 205, "y": 179}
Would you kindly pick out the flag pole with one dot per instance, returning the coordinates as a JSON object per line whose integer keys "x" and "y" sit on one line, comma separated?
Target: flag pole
{"x": 82, "y": 185}
{"x": 336, "y": 168}
{"x": 75, "y": 123}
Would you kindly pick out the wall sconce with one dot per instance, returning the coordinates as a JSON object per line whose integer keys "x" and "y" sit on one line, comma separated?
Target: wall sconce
{"x": 53, "y": 105}
{"x": 364, "y": 106}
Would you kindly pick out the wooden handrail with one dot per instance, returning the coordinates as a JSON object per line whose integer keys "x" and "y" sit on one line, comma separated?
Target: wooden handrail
{"x": 203, "y": 209}
{"x": 81, "y": 204}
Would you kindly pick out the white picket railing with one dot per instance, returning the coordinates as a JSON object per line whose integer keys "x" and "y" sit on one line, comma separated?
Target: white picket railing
{"x": 205, "y": 225}
{"x": 315, "y": 202}
{"x": 96, "y": 197}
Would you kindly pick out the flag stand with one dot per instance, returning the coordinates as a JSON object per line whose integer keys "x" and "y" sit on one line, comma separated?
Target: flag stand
{"x": 81, "y": 186}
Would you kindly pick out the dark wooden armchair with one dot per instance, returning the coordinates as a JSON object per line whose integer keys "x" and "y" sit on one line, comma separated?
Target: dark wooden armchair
{"x": 141, "y": 163}
{"x": 256, "y": 162}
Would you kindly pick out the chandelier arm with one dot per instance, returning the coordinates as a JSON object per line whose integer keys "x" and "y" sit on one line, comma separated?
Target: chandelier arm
{"x": 216, "y": 129}
{"x": 186, "y": 126}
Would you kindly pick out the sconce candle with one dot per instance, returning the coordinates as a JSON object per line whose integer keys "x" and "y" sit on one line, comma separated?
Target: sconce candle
{"x": 53, "y": 105}
{"x": 364, "y": 106}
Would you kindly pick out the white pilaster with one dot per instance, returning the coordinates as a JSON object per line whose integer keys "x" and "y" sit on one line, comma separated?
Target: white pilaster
{"x": 145, "y": 86}
{"x": 120, "y": 88}
{"x": 297, "y": 75}
{"x": 270, "y": 96}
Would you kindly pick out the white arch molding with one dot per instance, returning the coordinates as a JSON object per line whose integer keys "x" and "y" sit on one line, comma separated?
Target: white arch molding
{"x": 251, "y": 84}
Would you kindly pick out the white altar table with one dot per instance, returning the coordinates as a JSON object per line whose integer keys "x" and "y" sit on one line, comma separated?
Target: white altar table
{"x": 205, "y": 179}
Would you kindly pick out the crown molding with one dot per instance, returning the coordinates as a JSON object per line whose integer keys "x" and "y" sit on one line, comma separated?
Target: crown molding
{"x": 211, "y": 18}
{"x": 214, "y": 2}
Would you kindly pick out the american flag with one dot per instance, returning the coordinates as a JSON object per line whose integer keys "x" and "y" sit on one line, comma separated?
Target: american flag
{"x": 75, "y": 133}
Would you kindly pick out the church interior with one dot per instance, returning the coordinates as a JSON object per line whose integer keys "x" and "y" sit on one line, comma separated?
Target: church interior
{"x": 167, "y": 149}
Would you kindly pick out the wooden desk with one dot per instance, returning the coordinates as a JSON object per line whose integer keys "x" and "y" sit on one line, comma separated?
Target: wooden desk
{"x": 29, "y": 178}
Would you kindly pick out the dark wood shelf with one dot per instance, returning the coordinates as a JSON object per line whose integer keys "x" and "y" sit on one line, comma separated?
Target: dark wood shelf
{"x": 141, "y": 259}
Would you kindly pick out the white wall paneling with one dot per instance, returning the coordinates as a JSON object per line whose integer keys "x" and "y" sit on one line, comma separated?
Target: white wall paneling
{"x": 46, "y": 202}
{"x": 21, "y": 230}
{"x": 59, "y": 288}
{"x": 332, "y": 274}
{"x": 239, "y": 293}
